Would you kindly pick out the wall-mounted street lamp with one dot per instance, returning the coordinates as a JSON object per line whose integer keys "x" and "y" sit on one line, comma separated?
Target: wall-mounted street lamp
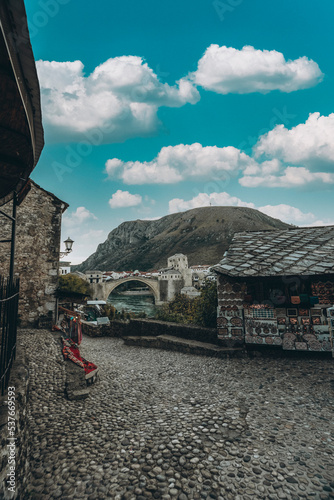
{"x": 68, "y": 247}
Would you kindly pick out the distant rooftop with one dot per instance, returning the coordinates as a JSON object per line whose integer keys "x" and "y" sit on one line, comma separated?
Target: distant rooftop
{"x": 170, "y": 271}
{"x": 290, "y": 252}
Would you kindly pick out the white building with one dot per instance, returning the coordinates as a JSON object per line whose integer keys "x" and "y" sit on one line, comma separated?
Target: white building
{"x": 64, "y": 268}
{"x": 170, "y": 274}
{"x": 199, "y": 275}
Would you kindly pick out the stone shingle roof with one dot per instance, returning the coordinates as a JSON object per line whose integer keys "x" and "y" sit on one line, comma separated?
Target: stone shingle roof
{"x": 289, "y": 252}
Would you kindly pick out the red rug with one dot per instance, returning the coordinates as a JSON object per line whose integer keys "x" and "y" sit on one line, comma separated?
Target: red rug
{"x": 71, "y": 351}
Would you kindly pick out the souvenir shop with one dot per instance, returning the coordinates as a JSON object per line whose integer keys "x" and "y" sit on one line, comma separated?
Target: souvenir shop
{"x": 258, "y": 304}
{"x": 293, "y": 312}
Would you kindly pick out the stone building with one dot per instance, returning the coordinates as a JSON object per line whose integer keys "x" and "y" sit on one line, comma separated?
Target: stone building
{"x": 178, "y": 261}
{"x": 171, "y": 283}
{"x": 94, "y": 276}
{"x": 176, "y": 277}
{"x": 37, "y": 252}
{"x": 276, "y": 288}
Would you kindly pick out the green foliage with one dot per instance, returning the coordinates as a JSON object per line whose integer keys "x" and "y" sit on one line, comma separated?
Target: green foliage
{"x": 129, "y": 315}
{"x": 207, "y": 306}
{"x": 71, "y": 283}
{"x": 200, "y": 311}
{"x": 109, "y": 310}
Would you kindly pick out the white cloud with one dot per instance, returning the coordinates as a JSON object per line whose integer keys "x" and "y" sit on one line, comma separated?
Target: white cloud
{"x": 309, "y": 147}
{"x": 85, "y": 243}
{"x": 294, "y": 215}
{"x": 152, "y": 218}
{"x": 124, "y": 199}
{"x": 227, "y": 70}
{"x": 290, "y": 177}
{"x": 79, "y": 216}
{"x": 82, "y": 226}
{"x": 206, "y": 200}
{"x": 320, "y": 222}
{"x": 289, "y": 214}
{"x": 286, "y": 213}
{"x": 310, "y": 143}
{"x": 195, "y": 162}
{"x": 176, "y": 163}
{"x": 118, "y": 100}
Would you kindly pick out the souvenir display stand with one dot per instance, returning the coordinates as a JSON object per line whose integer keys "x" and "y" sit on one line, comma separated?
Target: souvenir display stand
{"x": 261, "y": 325}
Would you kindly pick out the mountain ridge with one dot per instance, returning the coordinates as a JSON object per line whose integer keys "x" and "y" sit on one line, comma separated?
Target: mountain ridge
{"x": 203, "y": 234}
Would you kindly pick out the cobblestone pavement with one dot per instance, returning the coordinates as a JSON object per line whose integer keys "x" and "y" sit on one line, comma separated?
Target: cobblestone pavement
{"x": 167, "y": 425}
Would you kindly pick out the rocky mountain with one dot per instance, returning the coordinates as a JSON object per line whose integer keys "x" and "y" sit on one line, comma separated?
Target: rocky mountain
{"x": 203, "y": 234}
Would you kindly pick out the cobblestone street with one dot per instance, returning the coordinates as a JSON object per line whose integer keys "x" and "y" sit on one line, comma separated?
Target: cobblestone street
{"x": 167, "y": 425}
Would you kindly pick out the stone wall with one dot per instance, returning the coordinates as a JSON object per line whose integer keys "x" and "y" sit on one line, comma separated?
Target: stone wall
{"x": 146, "y": 327}
{"x": 115, "y": 329}
{"x": 37, "y": 253}
{"x": 19, "y": 379}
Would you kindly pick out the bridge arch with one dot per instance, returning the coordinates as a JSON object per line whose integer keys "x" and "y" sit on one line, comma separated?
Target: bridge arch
{"x": 103, "y": 290}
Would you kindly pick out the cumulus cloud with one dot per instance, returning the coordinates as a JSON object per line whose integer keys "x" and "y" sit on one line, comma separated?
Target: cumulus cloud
{"x": 152, "y": 218}
{"x": 310, "y": 143}
{"x": 196, "y": 162}
{"x": 286, "y": 213}
{"x": 120, "y": 99}
{"x": 294, "y": 215}
{"x": 299, "y": 157}
{"x": 79, "y": 216}
{"x": 290, "y": 177}
{"x": 176, "y": 163}
{"x": 227, "y": 70}
{"x": 206, "y": 200}
{"x": 124, "y": 199}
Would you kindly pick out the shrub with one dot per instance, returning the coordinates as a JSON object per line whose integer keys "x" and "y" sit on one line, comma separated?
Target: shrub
{"x": 200, "y": 311}
{"x": 71, "y": 283}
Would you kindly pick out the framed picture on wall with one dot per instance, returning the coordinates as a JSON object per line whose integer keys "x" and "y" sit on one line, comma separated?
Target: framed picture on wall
{"x": 292, "y": 312}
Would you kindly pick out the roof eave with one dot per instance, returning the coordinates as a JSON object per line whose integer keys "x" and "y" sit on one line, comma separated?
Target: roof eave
{"x": 14, "y": 29}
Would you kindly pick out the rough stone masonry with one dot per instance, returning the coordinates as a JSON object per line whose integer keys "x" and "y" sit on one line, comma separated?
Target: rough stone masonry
{"x": 37, "y": 252}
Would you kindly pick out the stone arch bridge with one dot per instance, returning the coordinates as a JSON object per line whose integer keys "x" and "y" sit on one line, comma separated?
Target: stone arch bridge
{"x": 101, "y": 291}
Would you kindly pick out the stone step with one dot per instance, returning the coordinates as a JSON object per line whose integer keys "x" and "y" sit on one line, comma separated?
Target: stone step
{"x": 78, "y": 394}
{"x": 171, "y": 343}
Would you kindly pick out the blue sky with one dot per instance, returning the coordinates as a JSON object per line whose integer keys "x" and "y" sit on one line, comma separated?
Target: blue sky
{"x": 151, "y": 108}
